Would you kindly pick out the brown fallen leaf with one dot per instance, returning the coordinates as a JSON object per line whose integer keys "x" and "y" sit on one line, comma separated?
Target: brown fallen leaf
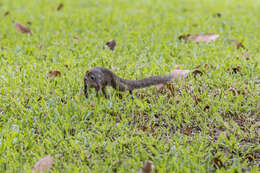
{"x": 175, "y": 74}
{"x": 60, "y": 6}
{"x": 238, "y": 44}
{"x": 43, "y": 164}
{"x": 206, "y": 67}
{"x": 36, "y": 132}
{"x": 206, "y": 108}
{"x": 147, "y": 167}
{"x": 236, "y": 69}
{"x": 217, "y": 163}
{"x": 39, "y": 99}
{"x": 63, "y": 101}
{"x": 197, "y": 71}
{"x": 66, "y": 66}
{"x": 6, "y": 13}
{"x": 170, "y": 88}
{"x": 206, "y": 38}
{"x": 233, "y": 90}
{"x": 77, "y": 38}
{"x": 180, "y": 74}
{"x": 143, "y": 128}
{"x": 187, "y": 131}
{"x": 111, "y": 44}
{"x": 197, "y": 99}
{"x": 23, "y": 29}
{"x": 54, "y": 74}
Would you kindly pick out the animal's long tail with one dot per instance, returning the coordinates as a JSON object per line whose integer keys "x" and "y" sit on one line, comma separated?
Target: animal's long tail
{"x": 146, "y": 82}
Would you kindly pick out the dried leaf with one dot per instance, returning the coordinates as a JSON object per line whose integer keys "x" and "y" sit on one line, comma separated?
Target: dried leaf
{"x": 63, "y": 101}
{"x": 43, "y": 164}
{"x": 218, "y": 163}
{"x": 206, "y": 67}
{"x": 171, "y": 88}
{"x": 187, "y": 131}
{"x": 111, "y": 44}
{"x": 143, "y": 128}
{"x": 66, "y": 66}
{"x": 39, "y": 99}
{"x": 54, "y": 74}
{"x": 197, "y": 99}
{"x": 180, "y": 73}
{"x": 6, "y": 13}
{"x": 197, "y": 71}
{"x": 23, "y": 29}
{"x": 238, "y": 44}
{"x": 60, "y": 6}
{"x": 250, "y": 156}
{"x": 36, "y": 132}
{"x": 206, "y": 38}
{"x": 236, "y": 69}
{"x": 206, "y": 108}
{"x": 77, "y": 38}
{"x": 233, "y": 90}
{"x": 147, "y": 167}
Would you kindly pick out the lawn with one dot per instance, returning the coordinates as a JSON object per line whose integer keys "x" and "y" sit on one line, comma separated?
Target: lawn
{"x": 202, "y": 123}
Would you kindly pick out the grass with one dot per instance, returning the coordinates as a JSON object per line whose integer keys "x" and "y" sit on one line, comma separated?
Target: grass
{"x": 41, "y": 116}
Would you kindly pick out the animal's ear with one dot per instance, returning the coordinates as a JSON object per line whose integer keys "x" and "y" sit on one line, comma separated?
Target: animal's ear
{"x": 87, "y": 73}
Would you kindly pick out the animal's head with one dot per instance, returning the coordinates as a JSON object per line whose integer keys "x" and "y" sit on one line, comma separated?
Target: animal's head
{"x": 93, "y": 79}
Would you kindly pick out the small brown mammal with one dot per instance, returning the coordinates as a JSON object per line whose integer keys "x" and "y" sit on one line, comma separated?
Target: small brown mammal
{"x": 99, "y": 78}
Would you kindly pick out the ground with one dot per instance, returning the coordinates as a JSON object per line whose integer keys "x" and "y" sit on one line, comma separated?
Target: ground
{"x": 203, "y": 123}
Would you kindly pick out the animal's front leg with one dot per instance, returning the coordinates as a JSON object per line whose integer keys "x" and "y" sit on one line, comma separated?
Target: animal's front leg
{"x": 86, "y": 90}
{"x": 97, "y": 89}
{"x": 104, "y": 92}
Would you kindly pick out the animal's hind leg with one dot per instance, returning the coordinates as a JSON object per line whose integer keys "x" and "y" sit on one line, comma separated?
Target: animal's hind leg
{"x": 86, "y": 90}
{"x": 104, "y": 92}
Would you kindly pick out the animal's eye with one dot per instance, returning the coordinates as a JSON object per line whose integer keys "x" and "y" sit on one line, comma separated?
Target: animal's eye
{"x": 92, "y": 77}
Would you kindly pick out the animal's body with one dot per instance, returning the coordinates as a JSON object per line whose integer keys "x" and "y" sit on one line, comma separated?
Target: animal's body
{"x": 100, "y": 77}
